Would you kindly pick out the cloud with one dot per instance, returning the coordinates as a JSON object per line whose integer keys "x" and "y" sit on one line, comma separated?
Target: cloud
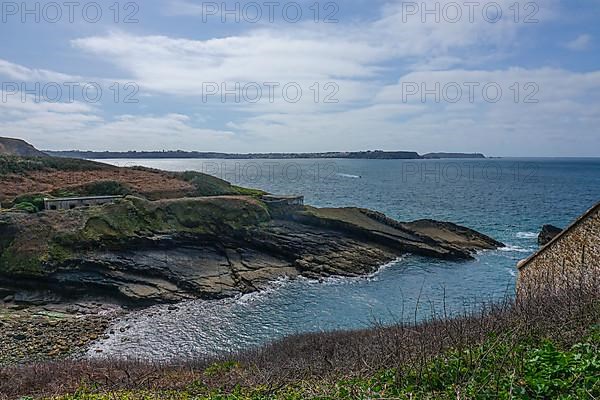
{"x": 58, "y": 126}
{"x": 181, "y": 66}
{"x": 305, "y": 52}
{"x": 369, "y": 60}
{"x": 580, "y": 43}
{"x": 566, "y": 102}
{"x": 550, "y": 85}
{"x": 22, "y": 73}
{"x": 11, "y": 102}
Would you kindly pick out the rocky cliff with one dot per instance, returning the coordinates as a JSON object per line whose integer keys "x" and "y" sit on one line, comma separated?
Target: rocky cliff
{"x": 141, "y": 252}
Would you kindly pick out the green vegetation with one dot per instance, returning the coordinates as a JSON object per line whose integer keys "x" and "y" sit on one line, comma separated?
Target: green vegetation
{"x": 132, "y": 216}
{"x": 18, "y": 261}
{"x": 97, "y": 188}
{"x": 15, "y": 165}
{"x": 207, "y": 185}
{"x": 27, "y": 207}
{"x": 493, "y": 370}
{"x": 545, "y": 346}
{"x": 32, "y": 245}
{"x": 123, "y": 182}
{"x": 32, "y": 201}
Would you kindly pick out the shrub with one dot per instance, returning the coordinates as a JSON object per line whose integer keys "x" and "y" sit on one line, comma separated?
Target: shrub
{"x": 35, "y": 199}
{"x": 97, "y": 188}
{"x": 27, "y": 207}
{"x": 15, "y": 164}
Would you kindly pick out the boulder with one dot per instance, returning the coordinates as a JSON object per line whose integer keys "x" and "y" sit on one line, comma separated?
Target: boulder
{"x": 548, "y": 233}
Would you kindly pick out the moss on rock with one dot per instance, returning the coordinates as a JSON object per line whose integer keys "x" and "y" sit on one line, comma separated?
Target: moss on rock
{"x": 34, "y": 245}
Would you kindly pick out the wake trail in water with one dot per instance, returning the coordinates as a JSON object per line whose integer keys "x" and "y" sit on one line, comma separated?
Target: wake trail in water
{"x": 349, "y": 176}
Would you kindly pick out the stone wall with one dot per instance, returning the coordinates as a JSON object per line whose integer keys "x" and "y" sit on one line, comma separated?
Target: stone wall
{"x": 570, "y": 260}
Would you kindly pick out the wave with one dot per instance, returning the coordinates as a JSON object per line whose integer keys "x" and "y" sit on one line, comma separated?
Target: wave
{"x": 336, "y": 280}
{"x": 517, "y": 249}
{"x": 345, "y": 280}
{"x": 268, "y": 289}
{"x": 527, "y": 235}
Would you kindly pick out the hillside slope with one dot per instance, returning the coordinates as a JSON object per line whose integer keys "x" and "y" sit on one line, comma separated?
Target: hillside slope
{"x": 22, "y": 177}
{"x": 27, "y": 174}
{"x": 18, "y": 147}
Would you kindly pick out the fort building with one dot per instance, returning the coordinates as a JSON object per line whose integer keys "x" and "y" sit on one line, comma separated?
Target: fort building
{"x": 69, "y": 203}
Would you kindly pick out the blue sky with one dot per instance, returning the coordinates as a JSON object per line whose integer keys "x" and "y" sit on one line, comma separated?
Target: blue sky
{"x": 216, "y": 76}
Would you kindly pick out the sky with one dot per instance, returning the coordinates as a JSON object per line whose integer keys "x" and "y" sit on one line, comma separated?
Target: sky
{"x": 503, "y": 78}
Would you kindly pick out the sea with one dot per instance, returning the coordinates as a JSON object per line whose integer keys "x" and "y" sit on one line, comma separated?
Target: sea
{"x": 507, "y": 198}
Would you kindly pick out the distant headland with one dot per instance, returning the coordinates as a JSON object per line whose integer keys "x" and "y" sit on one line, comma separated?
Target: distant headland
{"x": 367, "y": 155}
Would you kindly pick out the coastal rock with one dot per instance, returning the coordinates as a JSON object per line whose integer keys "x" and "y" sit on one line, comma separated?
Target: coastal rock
{"x": 140, "y": 252}
{"x": 34, "y": 334}
{"x": 548, "y": 233}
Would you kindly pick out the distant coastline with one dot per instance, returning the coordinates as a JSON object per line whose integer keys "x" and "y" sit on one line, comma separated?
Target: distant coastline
{"x": 366, "y": 155}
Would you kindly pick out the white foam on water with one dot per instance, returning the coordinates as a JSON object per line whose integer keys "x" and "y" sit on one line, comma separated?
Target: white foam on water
{"x": 272, "y": 287}
{"x": 344, "y": 280}
{"x": 527, "y": 235}
{"x": 516, "y": 249}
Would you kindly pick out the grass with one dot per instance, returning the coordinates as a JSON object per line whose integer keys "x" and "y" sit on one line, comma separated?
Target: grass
{"x": 16, "y": 165}
{"x": 542, "y": 346}
{"x": 208, "y": 185}
{"x": 203, "y": 184}
{"x": 493, "y": 370}
{"x": 97, "y": 188}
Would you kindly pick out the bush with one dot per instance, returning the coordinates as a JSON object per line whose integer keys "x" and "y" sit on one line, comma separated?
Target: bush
{"x": 27, "y": 207}
{"x": 35, "y": 199}
{"x": 97, "y": 188}
{"x": 15, "y": 165}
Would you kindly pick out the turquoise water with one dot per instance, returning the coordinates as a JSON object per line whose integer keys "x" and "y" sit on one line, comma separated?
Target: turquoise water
{"x": 508, "y": 199}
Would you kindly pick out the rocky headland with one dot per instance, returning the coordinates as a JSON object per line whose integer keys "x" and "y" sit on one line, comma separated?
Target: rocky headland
{"x": 171, "y": 237}
{"x": 140, "y": 252}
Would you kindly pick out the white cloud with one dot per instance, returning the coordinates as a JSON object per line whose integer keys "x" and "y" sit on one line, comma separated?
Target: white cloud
{"x": 22, "y": 73}
{"x": 567, "y": 102}
{"x": 181, "y": 66}
{"x": 306, "y": 52}
{"x": 580, "y": 43}
{"x": 11, "y": 102}
{"x": 359, "y": 57}
{"x": 62, "y": 126}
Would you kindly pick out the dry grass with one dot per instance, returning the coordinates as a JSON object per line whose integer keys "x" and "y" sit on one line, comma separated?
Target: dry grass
{"x": 564, "y": 316}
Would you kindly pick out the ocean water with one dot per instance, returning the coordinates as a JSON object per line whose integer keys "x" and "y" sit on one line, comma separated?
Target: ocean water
{"x": 508, "y": 199}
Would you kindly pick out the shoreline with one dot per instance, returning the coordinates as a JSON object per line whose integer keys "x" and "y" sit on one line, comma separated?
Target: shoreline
{"x": 55, "y": 332}
{"x": 51, "y": 332}
{"x": 178, "y": 154}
